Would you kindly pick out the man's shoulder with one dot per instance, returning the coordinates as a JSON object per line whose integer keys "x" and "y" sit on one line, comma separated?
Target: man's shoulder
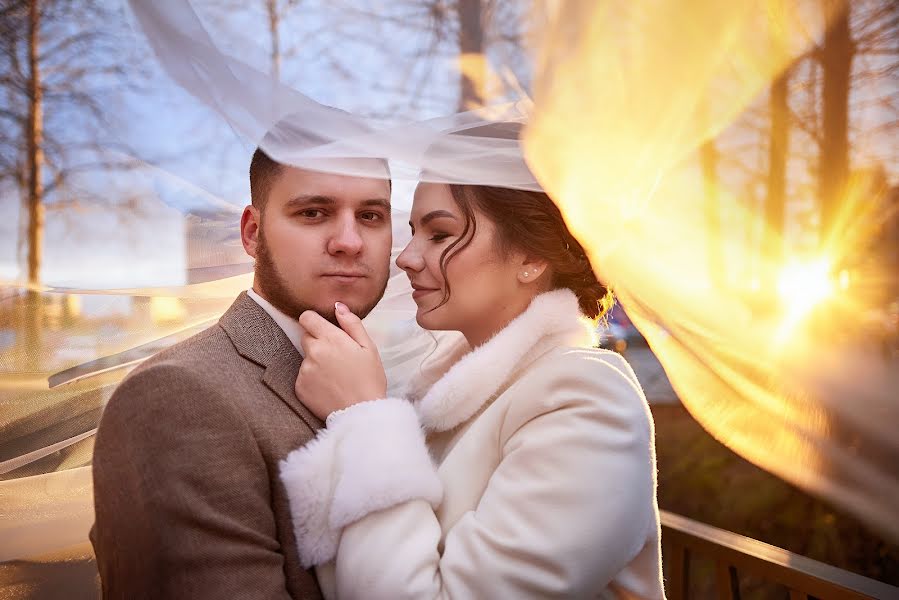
{"x": 212, "y": 342}
{"x": 208, "y": 354}
{"x": 203, "y": 366}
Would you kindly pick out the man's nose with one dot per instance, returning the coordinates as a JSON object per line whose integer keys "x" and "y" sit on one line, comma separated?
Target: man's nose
{"x": 346, "y": 240}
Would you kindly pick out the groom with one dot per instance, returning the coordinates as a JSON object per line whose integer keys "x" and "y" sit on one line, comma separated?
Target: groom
{"x": 186, "y": 489}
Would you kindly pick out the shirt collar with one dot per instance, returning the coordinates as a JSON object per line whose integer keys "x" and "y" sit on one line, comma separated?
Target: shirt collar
{"x": 291, "y": 327}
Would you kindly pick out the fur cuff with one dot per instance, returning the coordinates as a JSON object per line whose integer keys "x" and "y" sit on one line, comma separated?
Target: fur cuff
{"x": 372, "y": 456}
{"x": 309, "y": 475}
{"x": 383, "y": 460}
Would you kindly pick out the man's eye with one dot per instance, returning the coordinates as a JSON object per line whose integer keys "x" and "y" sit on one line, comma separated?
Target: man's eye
{"x": 311, "y": 213}
{"x": 371, "y": 216}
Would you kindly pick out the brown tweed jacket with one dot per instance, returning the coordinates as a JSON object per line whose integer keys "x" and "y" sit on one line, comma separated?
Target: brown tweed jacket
{"x": 186, "y": 489}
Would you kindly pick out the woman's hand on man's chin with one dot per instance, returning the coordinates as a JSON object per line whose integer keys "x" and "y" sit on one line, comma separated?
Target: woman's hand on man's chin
{"x": 341, "y": 365}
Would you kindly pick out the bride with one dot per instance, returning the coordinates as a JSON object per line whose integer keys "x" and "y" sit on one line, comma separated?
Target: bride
{"x": 519, "y": 464}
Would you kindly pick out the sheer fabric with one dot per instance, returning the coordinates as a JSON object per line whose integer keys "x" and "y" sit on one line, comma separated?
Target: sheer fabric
{"x": 624, "y": 95}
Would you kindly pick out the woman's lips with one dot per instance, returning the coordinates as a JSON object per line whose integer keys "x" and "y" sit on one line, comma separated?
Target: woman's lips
{"x": 419, "y": 292}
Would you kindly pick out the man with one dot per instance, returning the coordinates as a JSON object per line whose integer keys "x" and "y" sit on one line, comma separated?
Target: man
{"x": 186, "y": 489}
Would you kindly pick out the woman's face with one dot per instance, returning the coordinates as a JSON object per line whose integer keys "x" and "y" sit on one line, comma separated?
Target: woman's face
{"x": 487, "y": 290}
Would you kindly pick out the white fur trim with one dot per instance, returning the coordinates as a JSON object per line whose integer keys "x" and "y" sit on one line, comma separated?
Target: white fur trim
{"x": 384, "y": 460}
{"x": 478, "y": 375}
{"x": 371, "y": 456}
{"x": 309, "y": 474}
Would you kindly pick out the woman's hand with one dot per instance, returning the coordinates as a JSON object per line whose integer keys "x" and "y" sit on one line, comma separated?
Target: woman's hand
{"x": 341, "y": 367}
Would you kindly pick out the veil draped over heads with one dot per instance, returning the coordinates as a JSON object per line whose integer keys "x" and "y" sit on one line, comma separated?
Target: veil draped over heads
{"x": 625, "y": 103}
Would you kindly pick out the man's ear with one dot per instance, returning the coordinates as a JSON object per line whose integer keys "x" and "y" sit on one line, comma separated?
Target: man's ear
{"x": 250, "y": 221}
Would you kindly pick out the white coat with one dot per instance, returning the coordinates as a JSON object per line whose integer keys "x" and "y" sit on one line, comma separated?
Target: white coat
{"x": 537, "y": 478}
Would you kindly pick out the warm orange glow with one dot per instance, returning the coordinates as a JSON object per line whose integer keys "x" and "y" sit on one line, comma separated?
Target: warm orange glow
{"x": 166, "y": 308}
{"x": 768, "y": 354}
{"x": 803, "y": 286}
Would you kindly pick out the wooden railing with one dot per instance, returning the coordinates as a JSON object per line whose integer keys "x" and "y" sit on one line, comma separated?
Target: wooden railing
{"x": 735, "y": 555}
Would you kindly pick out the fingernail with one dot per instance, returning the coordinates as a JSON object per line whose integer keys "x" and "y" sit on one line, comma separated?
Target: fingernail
{"x": 340, "y": 308}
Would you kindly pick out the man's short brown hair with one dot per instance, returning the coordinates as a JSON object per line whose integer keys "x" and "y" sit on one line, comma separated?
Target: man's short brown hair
{"x": 264, "y": 170}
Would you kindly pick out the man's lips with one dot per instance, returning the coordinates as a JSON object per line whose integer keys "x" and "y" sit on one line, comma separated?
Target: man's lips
{"x": 344, "y": 276}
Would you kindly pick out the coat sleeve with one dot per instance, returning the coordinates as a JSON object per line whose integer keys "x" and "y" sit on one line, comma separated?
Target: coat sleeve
{"x": 181, "y": 494}
{"x": 569, "y": 506}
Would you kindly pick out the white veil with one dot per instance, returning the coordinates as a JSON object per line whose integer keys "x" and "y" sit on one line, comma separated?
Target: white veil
{"x": 621, "y": 103}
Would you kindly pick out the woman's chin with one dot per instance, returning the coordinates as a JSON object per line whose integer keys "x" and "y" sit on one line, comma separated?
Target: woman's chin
{"x": 421, "y": 318}
{"x": 427, "y": 320}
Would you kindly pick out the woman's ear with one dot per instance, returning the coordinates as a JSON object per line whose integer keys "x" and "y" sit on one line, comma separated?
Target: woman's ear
{"x": 249, "y": 229}
{"x": 531, "y": 269}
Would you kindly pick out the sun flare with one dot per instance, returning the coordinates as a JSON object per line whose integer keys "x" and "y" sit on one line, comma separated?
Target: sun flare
{"x": 804, "y": 285}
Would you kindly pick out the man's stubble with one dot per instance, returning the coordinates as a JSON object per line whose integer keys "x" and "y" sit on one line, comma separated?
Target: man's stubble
{"x": 273, "y": 288}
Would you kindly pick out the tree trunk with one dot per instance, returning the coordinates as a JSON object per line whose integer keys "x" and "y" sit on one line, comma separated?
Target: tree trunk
{"x": 471, "y": 54}
{"x": 273, "y": 22}
{"x": 35, "y": 160}
{"x": 836, "y": 62}
{"x": 708, "y": 157}
{"x": 778, "y": 149}
{"x": 34, "y": 139}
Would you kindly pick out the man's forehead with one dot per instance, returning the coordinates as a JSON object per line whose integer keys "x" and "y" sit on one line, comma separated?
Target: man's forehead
{"x": 296, "y": 181}
{"x": 365, "y": 168}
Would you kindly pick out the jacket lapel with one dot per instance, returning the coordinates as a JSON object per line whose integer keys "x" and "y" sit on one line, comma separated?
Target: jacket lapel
{"x": 258, "y": 338}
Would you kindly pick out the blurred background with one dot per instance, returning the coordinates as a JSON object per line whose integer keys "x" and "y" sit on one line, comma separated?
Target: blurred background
{"x": 120, "y": 195}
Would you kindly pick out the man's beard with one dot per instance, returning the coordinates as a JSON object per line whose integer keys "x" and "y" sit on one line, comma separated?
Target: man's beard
{"x": 276, "y": 291}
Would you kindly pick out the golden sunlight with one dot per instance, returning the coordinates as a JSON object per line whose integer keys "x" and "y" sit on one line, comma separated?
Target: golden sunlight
{"x": 804, "y": 285}
{"x": 166, "y": 308}
{"x": 769, "y": 323}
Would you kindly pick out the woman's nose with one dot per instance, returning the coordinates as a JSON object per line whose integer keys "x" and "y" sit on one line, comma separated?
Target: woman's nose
{"x": 410, "y": 259}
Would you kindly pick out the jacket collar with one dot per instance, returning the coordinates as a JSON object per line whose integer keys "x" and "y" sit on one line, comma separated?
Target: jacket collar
{"x": 290, "y": 326}
{"x": 258, "y": 338}
{"x": 466, "y": 379}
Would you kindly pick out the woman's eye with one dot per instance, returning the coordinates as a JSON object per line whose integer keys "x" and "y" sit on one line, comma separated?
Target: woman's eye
{"x": 439, "y": 237}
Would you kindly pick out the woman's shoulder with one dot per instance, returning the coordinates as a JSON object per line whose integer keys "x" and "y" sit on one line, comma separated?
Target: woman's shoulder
{"x": 589, "y": 366}
{"x": 586, "y": 380}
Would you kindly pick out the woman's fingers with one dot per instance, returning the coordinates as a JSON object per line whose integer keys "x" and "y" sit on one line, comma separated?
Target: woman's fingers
{"x": 352, "y": 324}
{"x": 314, "y": 324}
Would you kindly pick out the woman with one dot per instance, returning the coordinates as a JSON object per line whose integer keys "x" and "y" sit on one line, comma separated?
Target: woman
{"x": 537, "y": 476}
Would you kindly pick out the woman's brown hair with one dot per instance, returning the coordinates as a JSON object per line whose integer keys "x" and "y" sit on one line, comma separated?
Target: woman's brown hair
{"x": 530, "y": 222}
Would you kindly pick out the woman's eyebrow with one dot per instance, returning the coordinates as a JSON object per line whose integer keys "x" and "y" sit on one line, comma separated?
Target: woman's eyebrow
{"x": 435, "y": 214}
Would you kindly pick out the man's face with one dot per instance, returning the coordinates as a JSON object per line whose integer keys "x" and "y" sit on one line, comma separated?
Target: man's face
{"x": 321, "y": 238}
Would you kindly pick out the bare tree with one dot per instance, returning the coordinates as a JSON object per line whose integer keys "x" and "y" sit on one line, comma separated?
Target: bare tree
{"x": 836, "y": 54}
{"x": 276, "y": 12}
{"x": 62, "y": 68}
{"x": 801, "y": 141}
{"x": 858, "y": 54}
{"x": 61, "y": 65}
{"x": 778, "y": 153}
{"x": 708, "y": 158}
{"x": 426, "y": 36}
{"x": 34, "y": 136}
{"x": 471, "y": 54}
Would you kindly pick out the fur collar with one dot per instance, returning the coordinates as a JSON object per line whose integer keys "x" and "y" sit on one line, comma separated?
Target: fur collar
{"x": 465, "y": 379}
